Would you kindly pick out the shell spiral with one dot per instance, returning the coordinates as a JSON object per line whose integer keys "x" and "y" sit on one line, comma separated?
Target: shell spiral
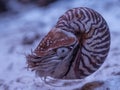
{"x": 92, "y": 35}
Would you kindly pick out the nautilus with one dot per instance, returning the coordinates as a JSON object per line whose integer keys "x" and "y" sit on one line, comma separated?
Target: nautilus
{"x": 74, "y": 48}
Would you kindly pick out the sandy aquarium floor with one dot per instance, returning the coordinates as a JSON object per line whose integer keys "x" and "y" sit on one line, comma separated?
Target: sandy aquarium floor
{"x": 21, "y": 32}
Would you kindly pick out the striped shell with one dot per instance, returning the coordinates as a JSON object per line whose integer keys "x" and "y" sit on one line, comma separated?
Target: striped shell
{"x": 75, "y": 47}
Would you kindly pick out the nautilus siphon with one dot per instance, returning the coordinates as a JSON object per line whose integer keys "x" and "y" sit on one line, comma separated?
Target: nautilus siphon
{"x": 74, "y": 48}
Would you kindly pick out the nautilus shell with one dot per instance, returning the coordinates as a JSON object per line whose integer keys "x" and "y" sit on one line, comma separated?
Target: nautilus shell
{"x": 74, "y": 48}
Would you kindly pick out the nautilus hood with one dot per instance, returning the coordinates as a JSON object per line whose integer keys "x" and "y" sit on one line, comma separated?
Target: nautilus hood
{"x": 54, "y": 39}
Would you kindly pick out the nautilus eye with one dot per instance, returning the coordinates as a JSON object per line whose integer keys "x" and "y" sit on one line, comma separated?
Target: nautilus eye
{"x": 87, "y": 34}
{"x": 62, "y": 52}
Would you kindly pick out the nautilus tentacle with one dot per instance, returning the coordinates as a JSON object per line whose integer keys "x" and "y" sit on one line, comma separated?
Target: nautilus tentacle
{"x": 74, "y": 48}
